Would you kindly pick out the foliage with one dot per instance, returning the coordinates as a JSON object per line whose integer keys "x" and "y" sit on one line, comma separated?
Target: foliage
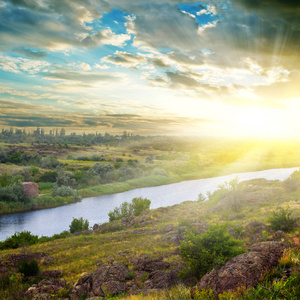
{"x": 213, "y": 248}
{"x": 50, "y": 161}
{"x": 28, "y": 268}
{"x": 64, "y": 191}
{"x": 49, "y": 176}
{"x": 281, "y": 220}
{"x": 65, "y": 179}
{"x": 104, "y": 172}
{"x": 19, "y": 239}
{"x": 125, "y": 210}
{"x": 139, "y": 205}
{"x": 126, "y": 172}
{"x": 292, "y": 183}
{"x": 3, "y": 156}
{"x": 201, "y": 197}
{"x": 13, "y": 193}
{"x": 79, "y": 225}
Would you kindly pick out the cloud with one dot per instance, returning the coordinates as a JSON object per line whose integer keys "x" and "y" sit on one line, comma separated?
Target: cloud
{"x": 82, "y": 76}
{"x": 19, "y": 65}
{"x": 53, "y": 25}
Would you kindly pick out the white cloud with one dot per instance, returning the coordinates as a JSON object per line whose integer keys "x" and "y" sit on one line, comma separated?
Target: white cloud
{"x": 19, "y": 65}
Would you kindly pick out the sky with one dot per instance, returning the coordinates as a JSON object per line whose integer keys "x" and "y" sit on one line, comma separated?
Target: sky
{"x": 209, "y": 68}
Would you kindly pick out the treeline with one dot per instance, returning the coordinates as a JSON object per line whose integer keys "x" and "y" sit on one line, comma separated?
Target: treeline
{"x": 59, "y": 136}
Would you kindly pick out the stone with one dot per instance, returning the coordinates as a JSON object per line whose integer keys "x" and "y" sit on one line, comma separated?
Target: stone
{"x": 168, "y": 227}
{"x": 31, "y": 189}
{"x": 51, "y": 273}
{"x": 244, "y": 270}
{"x": 112, "y": 288}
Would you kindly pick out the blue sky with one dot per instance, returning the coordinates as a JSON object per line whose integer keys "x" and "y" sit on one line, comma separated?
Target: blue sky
{"x": 151, "y": 67}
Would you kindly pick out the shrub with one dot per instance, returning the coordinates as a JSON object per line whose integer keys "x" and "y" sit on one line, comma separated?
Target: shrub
{"x": 3, "y": 156}
{"x": 28, "y": 268}
{"x": 213, "y": 248}
{"x": 48, "y": 177}
{"x": 19, "y": 239}
{"x": 13, "y": 193}
{"x": 139, "y": 205}
{"x": 125, "y": 210}
{"x": 79, "y": 225}
{"x": 104, "y": 172}
{"x": 281, "y": 220}
{"x": 64, "y": 191}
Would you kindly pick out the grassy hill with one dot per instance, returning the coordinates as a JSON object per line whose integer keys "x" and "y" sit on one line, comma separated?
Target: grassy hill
{"x": 243, "y": 207}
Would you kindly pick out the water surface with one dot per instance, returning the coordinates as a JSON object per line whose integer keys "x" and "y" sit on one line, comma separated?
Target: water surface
{"x": 95, "y": 209}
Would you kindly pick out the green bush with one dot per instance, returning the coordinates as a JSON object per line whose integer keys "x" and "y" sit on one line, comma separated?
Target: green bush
{"x": 79, "y": 225}
{"x": 50, "y": 176}
{"x": 13, "y": 193}
{"x": 19, "y": 239}
{"x": 281, "y": 220}
{"x": 64, "y": 191}
{"x": 125, "y": 210}
{"x": 213, "y": 248}
{"x": 28, "y": 268}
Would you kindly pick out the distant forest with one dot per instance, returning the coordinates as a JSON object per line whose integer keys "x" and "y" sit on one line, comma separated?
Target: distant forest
{"x": 59, "y": 136}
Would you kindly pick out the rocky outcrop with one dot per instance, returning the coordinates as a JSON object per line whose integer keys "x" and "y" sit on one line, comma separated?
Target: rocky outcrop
{"x": 115, "y": 278}
{"x": 45, "y": 288}
{"x": 244, "y": 270}
{"x": 31, "y": 189}
{"x": 108, "y": 279}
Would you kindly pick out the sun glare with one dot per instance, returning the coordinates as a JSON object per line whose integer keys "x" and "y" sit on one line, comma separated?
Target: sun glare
{"x": 260, "y": 123}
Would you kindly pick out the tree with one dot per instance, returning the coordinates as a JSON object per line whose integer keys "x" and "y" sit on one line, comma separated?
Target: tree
{"x": 125, "y": 210}
{"x": 79, "y": 225}
{"x": 3, "y": 156}
{"x": 104, "y": 172}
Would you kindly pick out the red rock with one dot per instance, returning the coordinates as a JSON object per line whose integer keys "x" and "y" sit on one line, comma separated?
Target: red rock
{"x": 31, "y": 189}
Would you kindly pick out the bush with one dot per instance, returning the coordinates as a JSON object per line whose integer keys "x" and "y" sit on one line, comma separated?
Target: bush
{"x": 19, "y": 239}
{"x": 125, "y": 210}
{"x": 48, "y": 177}
{"x": 13, "y": 193}
{"x": 105, "y": 173}
{"x": 64, "y": 191}
{"x": 3, "y": 156}
{"x": 28, "y": 268}
{"x": 213, "y": 248}
{"x": 79, "y": 225}
{"x": 281, "y": 220}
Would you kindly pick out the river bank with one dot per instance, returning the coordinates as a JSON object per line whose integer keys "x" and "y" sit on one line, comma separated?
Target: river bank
{"x": 96, "y": 209}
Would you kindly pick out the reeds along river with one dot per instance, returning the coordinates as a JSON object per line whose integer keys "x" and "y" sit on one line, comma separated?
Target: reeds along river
{"x": 55, "y": 220}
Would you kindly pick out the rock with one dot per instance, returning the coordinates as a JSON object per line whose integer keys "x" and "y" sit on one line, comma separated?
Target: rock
{"x": 85, "y": 232}
{"x": 112, "y": 288}
{"x": 45, "y": 287}
{"x": 31, "y": 189}
{"x": 168, "y": 227}
{"x": 278, "y": 234}
{"x": 150, "y": 264}
{"x": 108, "y": 278}
{"x": 96, "y": 227}
{"x": 51, "y": 273}
{"x": 243, "y": 270}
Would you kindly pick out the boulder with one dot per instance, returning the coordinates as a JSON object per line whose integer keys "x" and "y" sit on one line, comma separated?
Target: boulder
{"x": 244, "y": 270}
{"x": 168, "y": 227}
{"x": 108, "y": 279}
{"x": 112, "y": 288}
{"x": 150, "y": 264}
{"x": 45, "y": 288}
{"x": 31, "y": 189}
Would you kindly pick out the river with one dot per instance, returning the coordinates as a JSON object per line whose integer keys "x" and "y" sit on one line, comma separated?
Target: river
{"x": 55, "y": 220}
